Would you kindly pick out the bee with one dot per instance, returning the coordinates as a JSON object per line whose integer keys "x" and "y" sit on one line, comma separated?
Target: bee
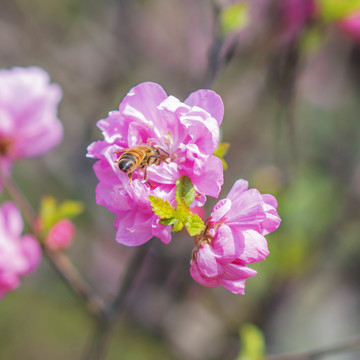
{"x": 140, "y": 157}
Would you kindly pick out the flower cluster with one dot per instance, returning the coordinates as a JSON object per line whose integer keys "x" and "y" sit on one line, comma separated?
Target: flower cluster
{"x": 28, "y": 127}
{"x": 19, "y": 255}
{"x": 187, "y": 131}
{"x": 155, "y": 146}
{"x": 233, "y": 238}
{"x": 28, "y": 112}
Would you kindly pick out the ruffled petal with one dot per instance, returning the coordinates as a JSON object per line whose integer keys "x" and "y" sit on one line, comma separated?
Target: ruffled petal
{"x": 226, "y": 247}
{"x": 207, "y": 262}
{"x": 255, "y": 247}
{"x": 209, "y": 101}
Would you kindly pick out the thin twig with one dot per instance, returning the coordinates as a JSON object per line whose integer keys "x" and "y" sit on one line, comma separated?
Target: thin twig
{"x": 59, "y": 260}
{"x": 343, "y": 346}
{"x": 105, "y": 326}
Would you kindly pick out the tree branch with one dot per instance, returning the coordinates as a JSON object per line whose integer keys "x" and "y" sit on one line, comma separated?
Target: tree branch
{"x": 58, "y": 259}
{"x": 343, "y": 346}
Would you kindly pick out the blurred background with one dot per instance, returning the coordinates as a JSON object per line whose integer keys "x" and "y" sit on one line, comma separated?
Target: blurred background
{"x": 289, "y": 74}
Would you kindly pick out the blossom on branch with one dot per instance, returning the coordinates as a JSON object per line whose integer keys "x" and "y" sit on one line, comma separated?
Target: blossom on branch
{"x": 19, "y": 255}
{"x": 61, "y": 235}
{"x": 185, "y": 134}
{"x": 234, "y": 237}
{"x": 28, "y": 115}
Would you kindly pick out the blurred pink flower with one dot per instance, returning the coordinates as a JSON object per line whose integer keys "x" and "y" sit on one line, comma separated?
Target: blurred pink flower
{"x": 233, "y": 238}
{"x": 188, "y": 131}
{"x": 294, "y": 15}
{"x": 19, "y": 255}
{"x": 60, "y": 235}
{"x": 351, "y": 25}
{"x": 28, "y": 114}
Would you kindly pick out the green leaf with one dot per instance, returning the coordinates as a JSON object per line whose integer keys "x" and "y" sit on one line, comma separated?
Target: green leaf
{"x": 194, "y": 225}
{"x": 221, "y": 151}
{"x": 69, "y": 209}
{"x": 47, "y": 211}
{"x": 182, "y": 211}
{"x": 161, "y": 208}
{"x": 334, "y": 10}
{"x": 50, "y": 212}
{"x": 184, "y": 190}
{"x": 234, "y": 17}
{"x": 252, "y": 343}
{"x": 169, "y": 221}
{"x": 178, "y": 225}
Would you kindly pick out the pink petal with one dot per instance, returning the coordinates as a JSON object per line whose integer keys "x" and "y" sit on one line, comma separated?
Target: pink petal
{"x": 225, "y": 246}
{"x": 209, "y": 101}
{"x": 235, "y": 272}
{"x": 204, "y": 132}
{"x": 8, "y": 282}
{"x": 236, "y": 287}
{"x": 11, "y": 220}
{"x": 198, "y": 276}
{"x": 255, "y": 246}
{"x": 220, "y": 210}
{"x": 134, "y": 228}
{"x": 351, "y": 25}
{"x": 239, "y": 187}
{"x": 247, "y": 209}
{"x": 32, "y": 251}
{"x": 212, "y": 178}
{"x": 142, "y": 101}
{"x": 207, "y": 262}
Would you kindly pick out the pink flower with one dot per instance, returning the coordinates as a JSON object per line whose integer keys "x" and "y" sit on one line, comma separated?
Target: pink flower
{"x": 351, "y": 25}
{"x": 188, "y": 131}
{"x": 28, "y": 114}
{"x": 19, "y": 255}
{"x": 60, "y": 235}
{"x": 233, "y": 238}
{"x": 293, "y": 16}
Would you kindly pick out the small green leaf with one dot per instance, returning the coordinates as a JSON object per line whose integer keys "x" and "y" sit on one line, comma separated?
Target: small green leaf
{"x": 182, "y": 211}
{"x": 178, "y": 225}
{"x": 184, "y": 190}
{"x": 334, "y": 10}
{"x": 252, "y": 343}
{"x": 169, "y": 221}
{"x": 194, "y": 225}
{"x": 221, "y": 151}
{"x": 47, "y": 211}
{"x": 51, "y": 212}
{"x": 69, "y": 209}
{"x": 161, "y": 208}
{"x": 234, "y": 17}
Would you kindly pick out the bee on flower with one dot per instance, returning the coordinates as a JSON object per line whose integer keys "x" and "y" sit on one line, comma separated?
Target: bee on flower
{"x": 160, "y": 139}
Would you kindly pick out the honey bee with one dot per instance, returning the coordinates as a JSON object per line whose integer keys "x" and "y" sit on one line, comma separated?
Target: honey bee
{"x": 140, "y": 157}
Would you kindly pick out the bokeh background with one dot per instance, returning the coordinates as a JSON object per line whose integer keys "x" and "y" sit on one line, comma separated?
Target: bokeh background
{"x": 289, "y": 78}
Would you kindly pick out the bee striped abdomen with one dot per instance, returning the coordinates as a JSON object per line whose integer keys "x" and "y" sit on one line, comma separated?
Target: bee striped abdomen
{"x": 141, "y": 157}
{"x": 128, "y": 162}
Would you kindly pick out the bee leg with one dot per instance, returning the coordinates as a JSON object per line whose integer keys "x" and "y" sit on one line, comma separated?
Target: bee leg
{"x": 145, "y": 174}
{"x": 130, "y": 177}
{"x": 146, "y": 180}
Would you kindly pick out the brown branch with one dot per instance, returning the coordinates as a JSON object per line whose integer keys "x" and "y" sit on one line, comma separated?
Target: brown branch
{"x": 343, "y": 346}
{"x": 100, "y": 340}
{"x": 59, "y": 260}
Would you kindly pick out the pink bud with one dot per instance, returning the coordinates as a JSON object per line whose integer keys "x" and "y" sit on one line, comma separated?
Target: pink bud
{"x": 60, "y": 235}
